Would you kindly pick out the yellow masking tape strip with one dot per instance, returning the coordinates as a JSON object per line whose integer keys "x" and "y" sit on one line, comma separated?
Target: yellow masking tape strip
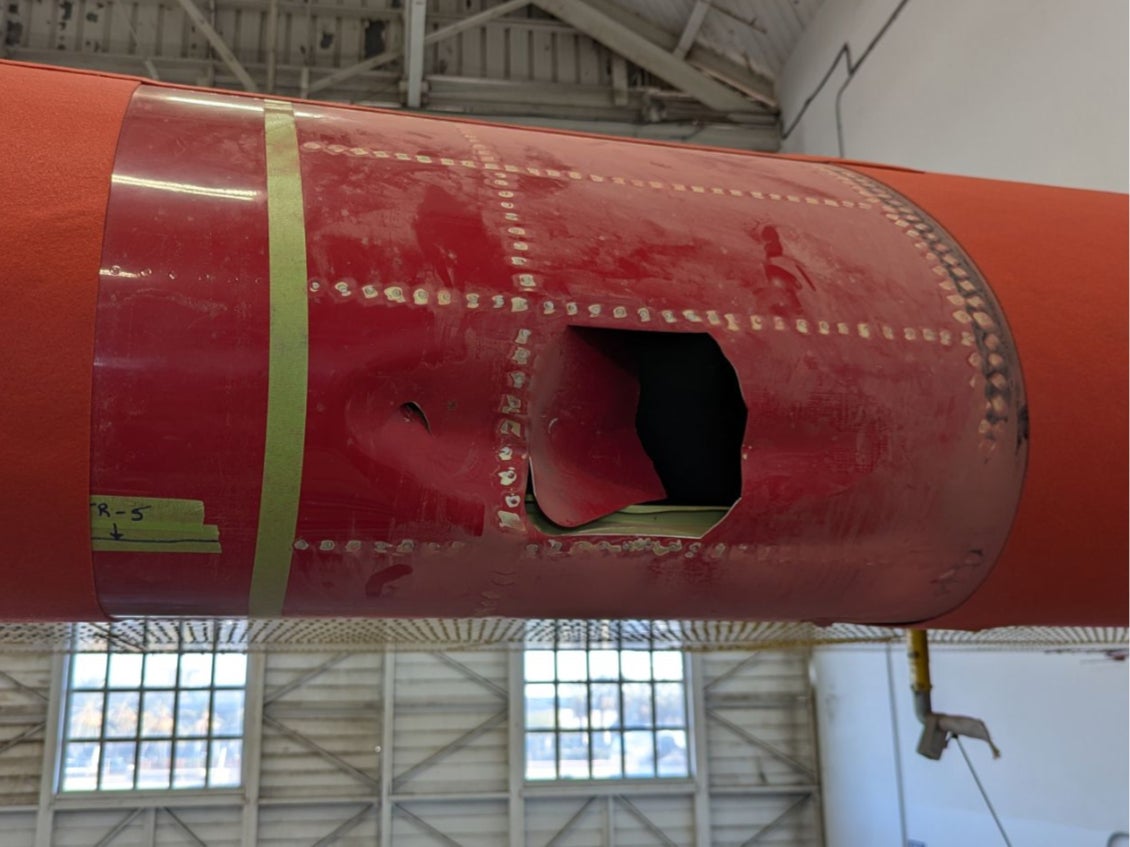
{"x": 150, "y": 524}
{"x": 148, "y": 509}
{"x": 158, "y": 532}
{"x": 177, "y": 545}
{"x": 287, "y": 365}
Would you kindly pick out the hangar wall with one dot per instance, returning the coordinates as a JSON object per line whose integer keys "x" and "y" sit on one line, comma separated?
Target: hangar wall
{"x": 1025, "y": 90}
{"x": 416, "y": 749}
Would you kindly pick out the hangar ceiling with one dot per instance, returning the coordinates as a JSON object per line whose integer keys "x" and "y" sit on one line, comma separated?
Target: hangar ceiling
{"x": 693, "y": 70}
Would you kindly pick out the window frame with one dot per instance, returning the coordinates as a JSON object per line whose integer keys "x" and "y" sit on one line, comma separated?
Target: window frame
{"x": 621, "y": 641}
{"x": 111, "y": 646}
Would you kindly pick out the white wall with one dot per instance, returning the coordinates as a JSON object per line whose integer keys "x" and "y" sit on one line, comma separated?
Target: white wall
{"x": 1060, "y": 721}
{"x": 1031, "y": 90}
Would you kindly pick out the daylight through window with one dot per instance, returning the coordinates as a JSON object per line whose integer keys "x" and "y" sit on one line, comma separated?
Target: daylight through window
{"x": 605, "y": 711}
{"x": 153, "y": 720}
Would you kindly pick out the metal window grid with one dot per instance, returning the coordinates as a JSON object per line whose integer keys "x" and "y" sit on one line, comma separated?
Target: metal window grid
{"x": 111, "y": 646}
{"x": 633, "y": 636}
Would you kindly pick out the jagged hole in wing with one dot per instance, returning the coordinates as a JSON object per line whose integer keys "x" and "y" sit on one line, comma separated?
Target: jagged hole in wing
{"x": 635, "y": 432}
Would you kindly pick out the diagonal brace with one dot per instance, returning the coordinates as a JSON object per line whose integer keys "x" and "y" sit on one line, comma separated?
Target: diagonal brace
{"x": 447, "y": 749}
{"x": 319, "y": 750}
{"x": 218, "y": 44}
{"x": 750, "y": 738}
{"x": 443, "y": 32}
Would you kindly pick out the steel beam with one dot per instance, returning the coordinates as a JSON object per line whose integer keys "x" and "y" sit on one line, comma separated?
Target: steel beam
{"x": 442, "y": 837}
{"x": 752, "y": 739}
{"x": 429, "y": 38}
{"x": 451, "y": 797}
{"x": 26, "y": 689}
{"x": 516, "y": 747}
{"x": 186, "y": 798}
{"x": 8, "y": 743}
{"x": 474, "y": 676}
{"x": 272, "y": 36}
{"x": 388, "y": 739}
{"x": 733, "y": 670}
{"x": 619, "y": 68}
{"x": 218, "y": 44}
{"x": 48, "y": 776}
{"x": 149, "y": 839}
{"x": 700, "y": 749}
{"x": 449, "y": 748}
{"x": 691, "y": 28}
{"x": 314, "y": 747}
{"x": 742, "y": 77}
{"x": 756, "y": 85}
{"x": 646, "y": 822}
{"x": 776, "y": 822}
{"x": 303, "y": 678}
{"x": 252, "y": 748}
{"x": 118, "y": 828}
{"x": 415, "y": 14}
{"x": 629, "y": 43}
{"x": 569, "y": 824}
{"x": 344, "y": 827}
{"x": 184, "y": 828}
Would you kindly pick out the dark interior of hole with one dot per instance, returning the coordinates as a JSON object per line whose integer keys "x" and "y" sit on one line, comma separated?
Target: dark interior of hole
{"x": 691, "y": 418}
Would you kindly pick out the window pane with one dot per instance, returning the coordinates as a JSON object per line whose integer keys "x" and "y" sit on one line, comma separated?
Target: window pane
{"x": 117, "y": 764}
{"x": 572, "y": 706}
{"x": 637, "y": 705}
{"x": 606, "y": 762}
{"x": 86, "y": 715}
{"x": 636, "y": 664}
{"x": 80, "y": 767}
{"x": 157, "y": 714}
{"x": 231, "y": 669}
{"x": 539, "y": 666}
{"x": 639, "y": 756}
{"x": 188, "y": 764}
{"x": 670, "y": 705}
{"x": 604, "y": 664}
{"x": 227, "y": 713}
{"x": 571, "y": 665}
{"x": 541, "y": 755}
{"x": 227, "y": 761}
{"x": 574, "y": 755}
{"x": 88, "y": 670}
{"x": 147, "y": 731}
{"x": 125, "y": 670}
{"x": 673, "y": 753}
{"x": 539, "y": 706}
{"x": 192, "y": 713}
{"x": 154, "y": 763}
{"x": 121, "y": 714}
{"x": 668, "y": 664}
{"x": 605, "y": 707}
{"x": 613, "y": 713}
{"x": 161, "y": 670}
{"x": 196, "y": 670}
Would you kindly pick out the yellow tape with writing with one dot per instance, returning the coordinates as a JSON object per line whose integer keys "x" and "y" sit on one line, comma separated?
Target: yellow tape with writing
{"x": 151, "y": 525}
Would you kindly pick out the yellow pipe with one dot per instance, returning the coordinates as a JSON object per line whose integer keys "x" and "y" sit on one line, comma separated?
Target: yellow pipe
{"x": 918, "y": 652}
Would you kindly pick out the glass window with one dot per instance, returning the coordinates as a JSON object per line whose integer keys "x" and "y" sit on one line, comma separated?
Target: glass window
{"x": 608, "y": 709}
{"x": 137, "y": 720}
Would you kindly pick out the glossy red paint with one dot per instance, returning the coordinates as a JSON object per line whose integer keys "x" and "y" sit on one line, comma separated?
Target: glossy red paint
{"x": 884, "y": 447}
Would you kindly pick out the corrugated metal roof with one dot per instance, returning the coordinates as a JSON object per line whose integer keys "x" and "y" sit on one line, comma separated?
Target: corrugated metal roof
{"x": 758, "y": 34}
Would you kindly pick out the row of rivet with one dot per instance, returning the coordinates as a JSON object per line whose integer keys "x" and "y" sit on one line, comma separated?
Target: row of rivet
{"x": 493, "y": 166}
